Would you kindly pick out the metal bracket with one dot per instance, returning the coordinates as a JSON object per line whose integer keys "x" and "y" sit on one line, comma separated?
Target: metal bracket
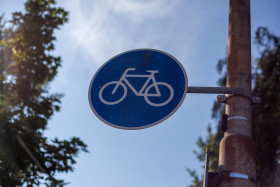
{"x": 216, "y": 177}
{"x": 224, "y": 90}
{"x": 224, "y": 98}
{"x": 235, "y": 175}
{"x": 213, "y": 179}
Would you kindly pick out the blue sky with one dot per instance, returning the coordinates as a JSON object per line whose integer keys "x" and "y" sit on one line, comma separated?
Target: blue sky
{"x": 194, "y": 32}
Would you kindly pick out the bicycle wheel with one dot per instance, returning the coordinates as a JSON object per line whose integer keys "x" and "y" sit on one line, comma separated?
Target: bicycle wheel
{"x": 146, "y": 95}
{"x": 110, "y": 93}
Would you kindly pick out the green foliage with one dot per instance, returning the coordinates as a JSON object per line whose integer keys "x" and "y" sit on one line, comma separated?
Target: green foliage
{"x": 196, "y": 182}
{"x": 26, "y": 68}
{"x": 266, "y": 117}
{"x": 212, "y": 141}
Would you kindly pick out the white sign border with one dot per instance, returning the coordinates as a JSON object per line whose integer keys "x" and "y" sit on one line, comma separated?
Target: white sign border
{"x": 149, "y": 125}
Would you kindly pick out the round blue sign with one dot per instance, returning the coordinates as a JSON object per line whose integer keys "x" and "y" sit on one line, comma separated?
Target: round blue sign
{"x": 138, "y": 89}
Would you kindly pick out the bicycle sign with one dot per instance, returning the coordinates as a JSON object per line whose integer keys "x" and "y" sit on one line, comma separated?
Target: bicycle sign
{"x": 138, "y": 89}
{"x": 144, "y": 90}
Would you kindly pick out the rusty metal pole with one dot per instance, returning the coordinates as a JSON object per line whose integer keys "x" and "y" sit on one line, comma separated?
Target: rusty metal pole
{"x": 237, "y": 148}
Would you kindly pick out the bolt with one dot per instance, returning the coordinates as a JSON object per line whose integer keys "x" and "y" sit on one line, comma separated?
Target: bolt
{"x": 257, "y": 100}
{"x": 221, "y": 98}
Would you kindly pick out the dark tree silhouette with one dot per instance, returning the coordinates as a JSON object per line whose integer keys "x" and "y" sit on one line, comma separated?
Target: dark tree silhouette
{"x": 27, "y": 156}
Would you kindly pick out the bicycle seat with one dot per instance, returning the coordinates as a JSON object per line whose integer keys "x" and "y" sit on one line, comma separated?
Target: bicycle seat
{"x": 152, "y": 71}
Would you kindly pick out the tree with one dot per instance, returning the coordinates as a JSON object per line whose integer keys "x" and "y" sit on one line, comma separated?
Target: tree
{"x": 27, "y": 156}
{"x": 266, "y": 126}
{"x": 266, "y": 116}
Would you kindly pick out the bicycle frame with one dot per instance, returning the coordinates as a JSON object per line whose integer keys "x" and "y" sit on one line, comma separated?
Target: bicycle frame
{"x": 140, "y": 93}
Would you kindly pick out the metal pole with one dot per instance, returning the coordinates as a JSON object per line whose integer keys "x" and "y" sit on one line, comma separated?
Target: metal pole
{"x": 237, "y": 148}
{"x": 206, "y": 168}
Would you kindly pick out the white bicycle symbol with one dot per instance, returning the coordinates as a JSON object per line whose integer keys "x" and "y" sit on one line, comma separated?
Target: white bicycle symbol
{"x": 144, "y": 91}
